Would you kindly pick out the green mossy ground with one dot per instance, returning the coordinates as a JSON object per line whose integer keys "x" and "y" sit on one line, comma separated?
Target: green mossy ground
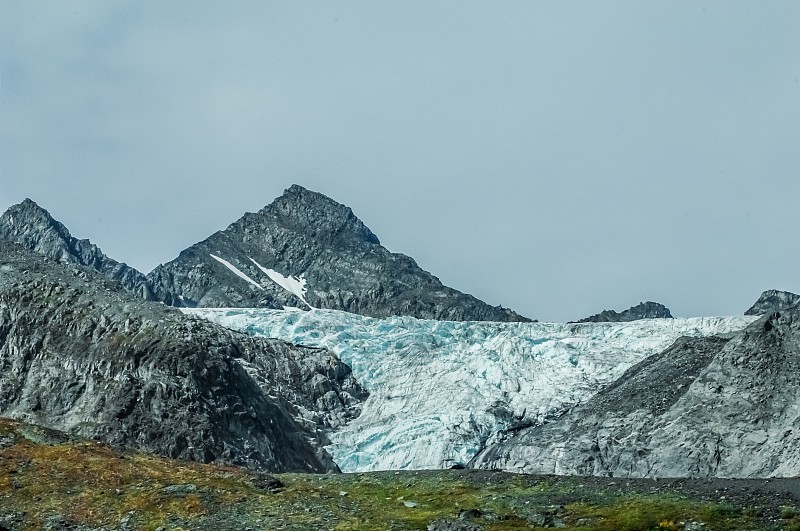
{"x": 48, "y": 480}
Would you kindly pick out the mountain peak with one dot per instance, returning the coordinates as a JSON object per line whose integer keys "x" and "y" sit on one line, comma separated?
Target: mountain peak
{"x": 31, "y": 226}
{"x": 317, "y": 215}
{"x": 28, "y": 203}
{"x": 29, "y": 209}
{"x": 306, "y": 233}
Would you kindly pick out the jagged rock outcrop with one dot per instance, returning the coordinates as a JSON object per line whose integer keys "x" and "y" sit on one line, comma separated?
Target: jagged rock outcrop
{"x": 306, "y": 233}
{"x": 643, "y": 310}
{"x": 773, "y": 300}
{"x": 79, "y": 354}
{"x": 704, "y": 407}
{"x": 34, "y": 228}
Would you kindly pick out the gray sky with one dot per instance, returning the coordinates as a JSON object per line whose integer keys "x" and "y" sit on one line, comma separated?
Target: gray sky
{"x": 557, "y": 157}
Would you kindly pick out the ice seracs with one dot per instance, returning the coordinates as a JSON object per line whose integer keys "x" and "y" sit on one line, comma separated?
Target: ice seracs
{"x": 439, "y": 390}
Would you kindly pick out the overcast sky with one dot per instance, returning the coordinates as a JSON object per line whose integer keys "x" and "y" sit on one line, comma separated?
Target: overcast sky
{"x": 557, "y": 157}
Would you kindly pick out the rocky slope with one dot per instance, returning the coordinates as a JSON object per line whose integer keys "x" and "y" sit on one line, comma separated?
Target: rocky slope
{"x": 34, "y": 228}
{"x": 79, "y": 354}
{"x": 643, "y": 310}
{"x": 704, "y": 407}
{"x": 773, "y": 300}
{"x": 306, "y": 233}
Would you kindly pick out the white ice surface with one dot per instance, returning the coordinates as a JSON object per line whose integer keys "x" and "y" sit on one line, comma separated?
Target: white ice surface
{"x": 236, "y": 271}
{"x": 439, "y": 390}
{"x": 295, "y": 285}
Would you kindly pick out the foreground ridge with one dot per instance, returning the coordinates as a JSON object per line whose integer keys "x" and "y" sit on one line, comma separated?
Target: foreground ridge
{"x": 78, "y": 353}
{"x": 53, "y": 481}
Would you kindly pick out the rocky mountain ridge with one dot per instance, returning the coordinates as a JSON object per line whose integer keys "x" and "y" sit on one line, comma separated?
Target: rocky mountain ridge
{"x": 300, "y": 233}
{"x": 773, "y": 300}
{"x": 643, "y": 310}
{"x": 79, "y": 354}
{"x": 34, "y": 228}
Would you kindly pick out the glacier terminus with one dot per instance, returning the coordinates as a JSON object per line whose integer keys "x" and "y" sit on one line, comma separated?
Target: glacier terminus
{"x": 440, "y": 391}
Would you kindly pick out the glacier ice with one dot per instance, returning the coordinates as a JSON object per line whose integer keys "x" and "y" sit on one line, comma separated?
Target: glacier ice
{"x": 439, "y": 390}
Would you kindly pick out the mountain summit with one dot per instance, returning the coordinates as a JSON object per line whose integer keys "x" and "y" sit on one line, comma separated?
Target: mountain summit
{"x": 306, "y": 234}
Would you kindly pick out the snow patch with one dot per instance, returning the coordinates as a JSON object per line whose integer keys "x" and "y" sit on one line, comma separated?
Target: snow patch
{"x": 236, "y": 271}
{"x": 292, "y": 284}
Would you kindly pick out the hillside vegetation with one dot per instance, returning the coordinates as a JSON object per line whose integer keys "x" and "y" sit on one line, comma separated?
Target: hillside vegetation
{"x": 49, "y": 480}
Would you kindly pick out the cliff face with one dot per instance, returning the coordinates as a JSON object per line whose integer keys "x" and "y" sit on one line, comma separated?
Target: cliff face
{"x": 80, "y": 355}
{"x": 34, "y": 228}
{"x": 704, "y": 407}
{"x": 306, "y": 233}
{"x": 643, "y": 310}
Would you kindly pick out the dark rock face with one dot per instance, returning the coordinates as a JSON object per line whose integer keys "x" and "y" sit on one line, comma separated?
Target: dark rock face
{"x": 81, "y": 355}
{"x": 709, "y": 407}
{"x": 307, "y": 233}
{"x": 31, "y": 226}
{"x": 772, "y": 301}
{"x": 643, "y": 310}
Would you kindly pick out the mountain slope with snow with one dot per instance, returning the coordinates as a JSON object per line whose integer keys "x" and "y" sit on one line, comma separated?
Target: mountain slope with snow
{"x": 439, "y": 390}
{"x": 308, "y": 243}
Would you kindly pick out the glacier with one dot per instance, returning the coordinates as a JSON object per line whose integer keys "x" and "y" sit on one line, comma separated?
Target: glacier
{"x": 442, "y": 390}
